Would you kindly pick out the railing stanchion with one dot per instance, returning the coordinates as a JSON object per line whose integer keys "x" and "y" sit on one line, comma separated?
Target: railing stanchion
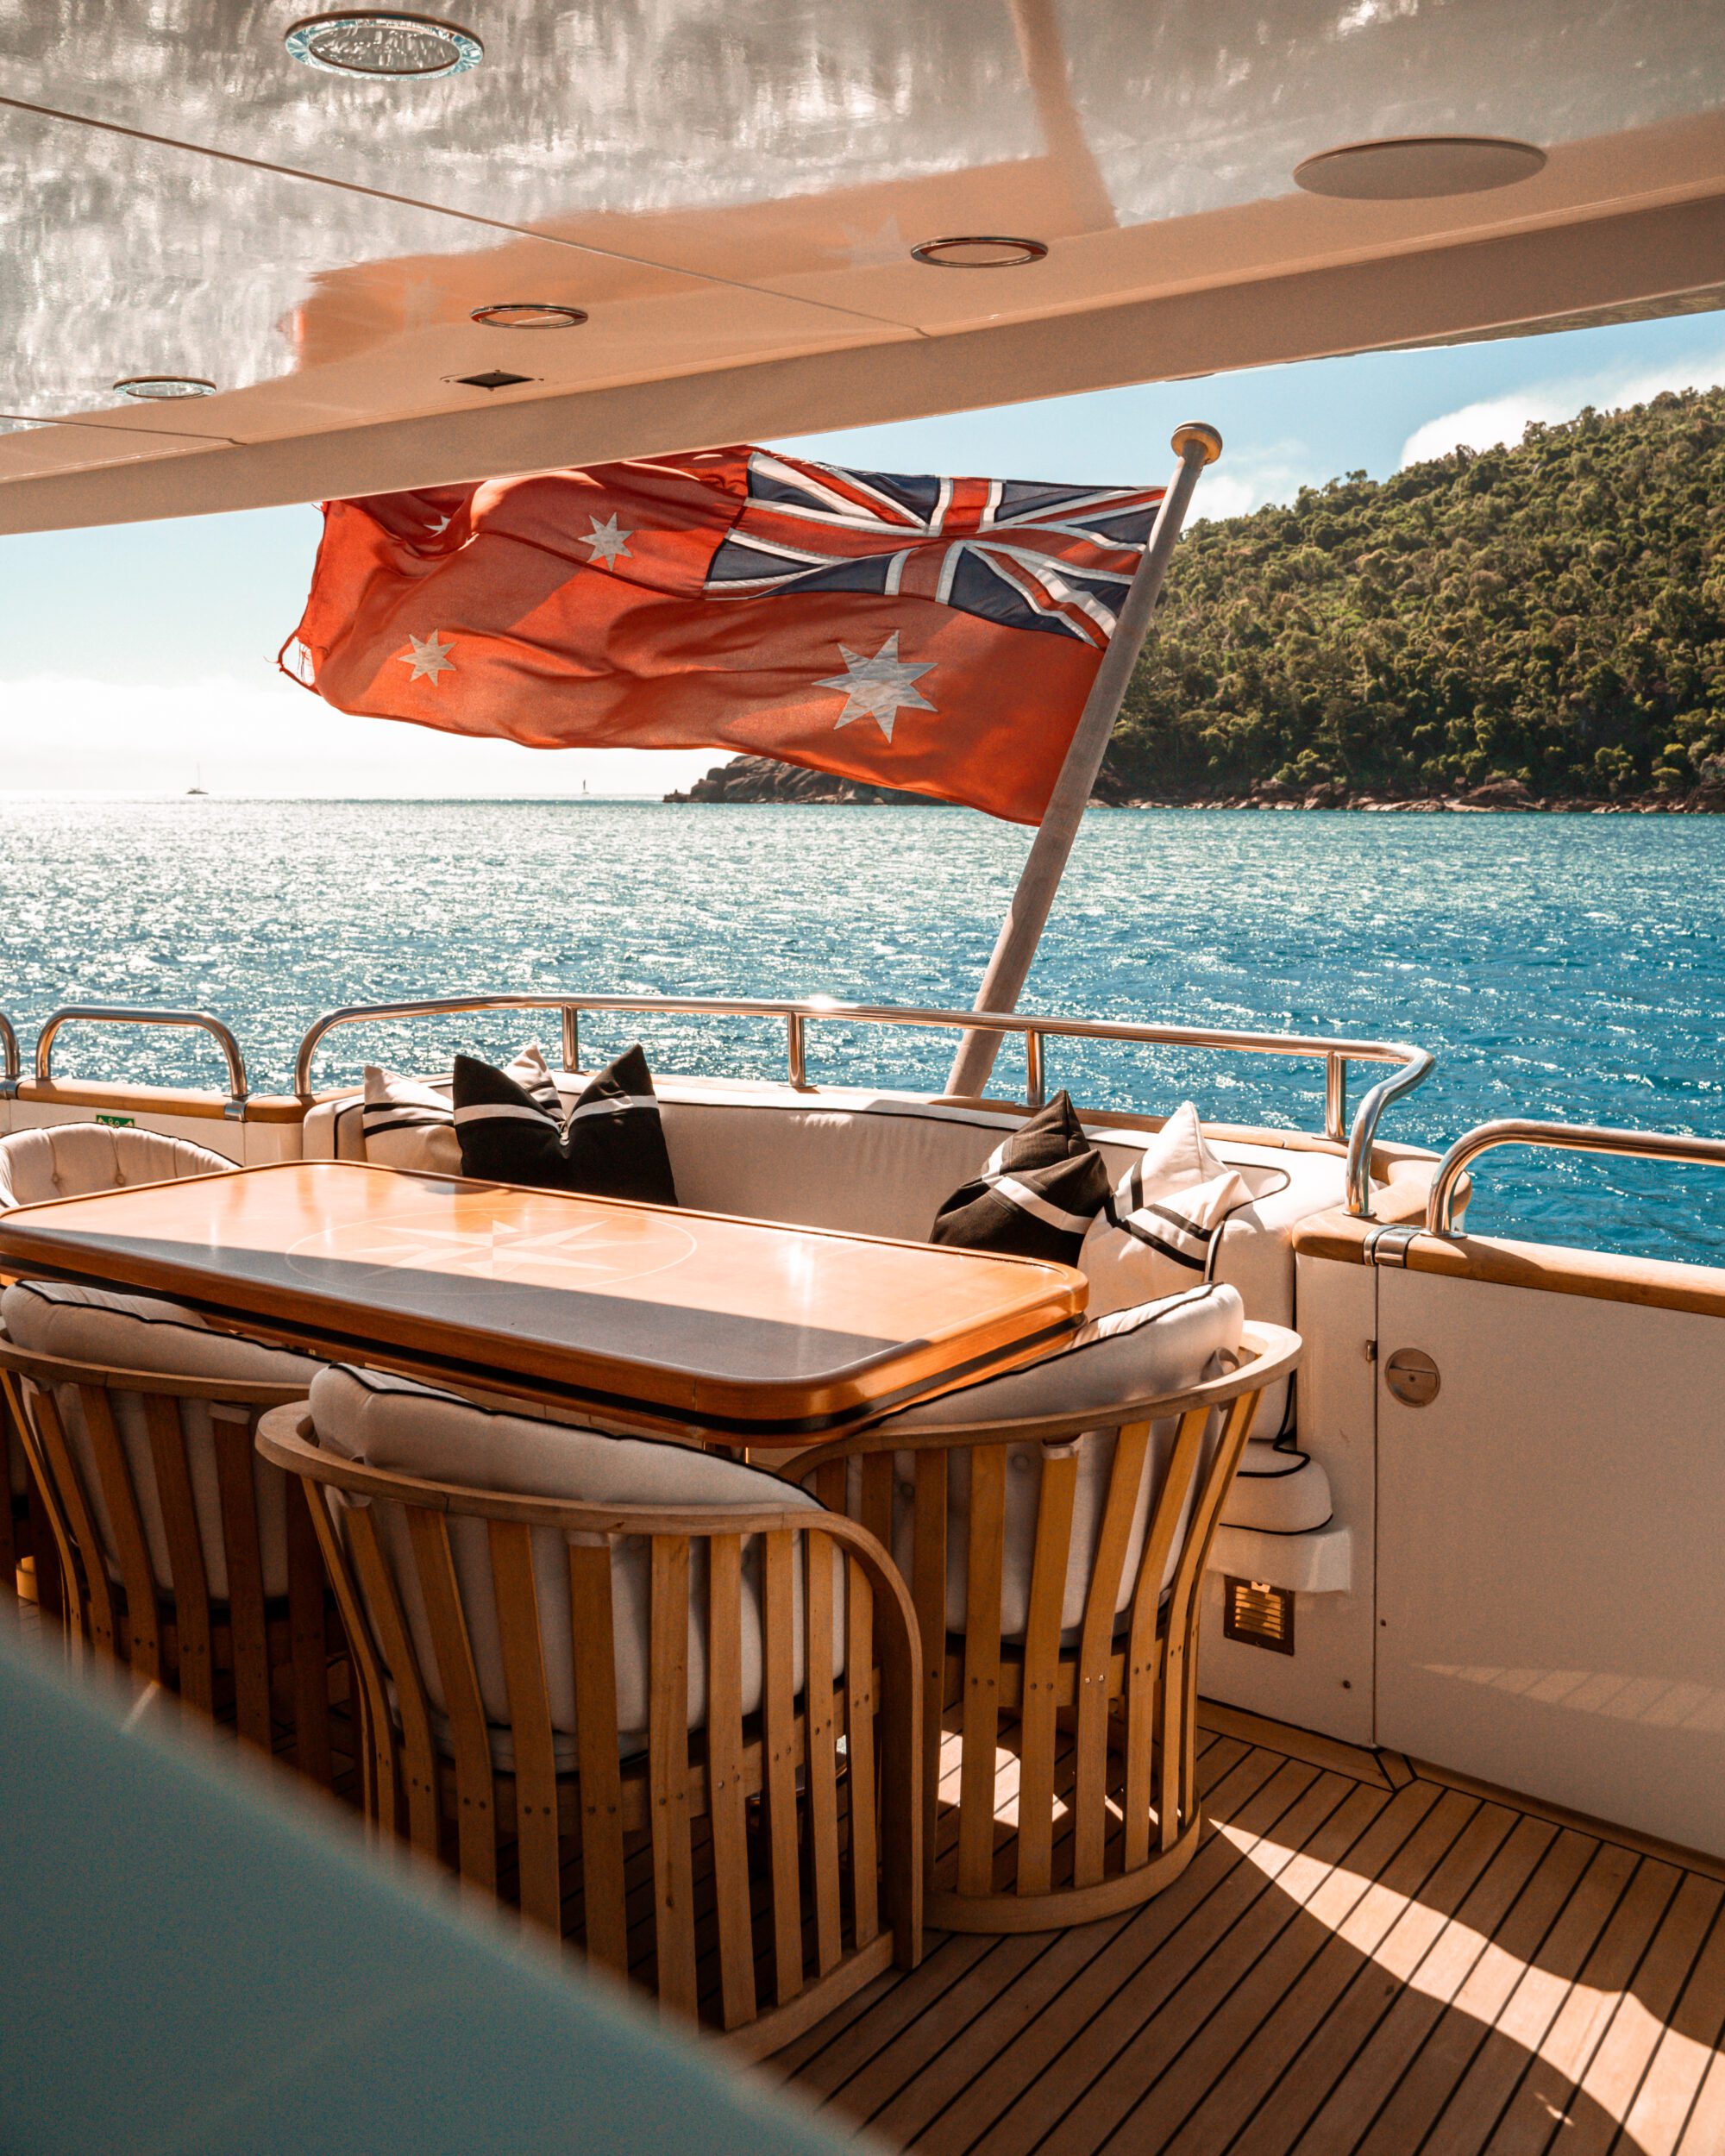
{"x": 571, "y": 1037}
{"x": 1035, "y": 1090}
{"x": 1335, "y": 1096}
{"x": 795, "y": 1051}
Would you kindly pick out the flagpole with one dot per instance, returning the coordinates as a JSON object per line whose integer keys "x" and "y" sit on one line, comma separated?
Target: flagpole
{"x": 1195, "y": 445}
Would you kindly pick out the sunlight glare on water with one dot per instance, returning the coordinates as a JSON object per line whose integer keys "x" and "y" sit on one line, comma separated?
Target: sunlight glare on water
{"x": 1562, "y": 967}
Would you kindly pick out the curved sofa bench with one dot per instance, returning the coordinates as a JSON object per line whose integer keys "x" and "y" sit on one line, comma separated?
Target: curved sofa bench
{"x": 878, "y": 1163}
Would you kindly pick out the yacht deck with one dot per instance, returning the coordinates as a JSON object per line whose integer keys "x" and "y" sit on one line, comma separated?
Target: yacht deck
{"x": 1361, "y": 1957}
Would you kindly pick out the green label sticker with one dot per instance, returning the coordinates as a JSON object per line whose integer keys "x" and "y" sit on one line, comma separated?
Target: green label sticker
{"x": 118, "y": 1122}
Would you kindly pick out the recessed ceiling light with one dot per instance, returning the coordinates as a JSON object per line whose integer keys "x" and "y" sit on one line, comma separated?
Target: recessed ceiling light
{"x": 157, "y": 389}
{"x": 978, "y": 251}
{"x": 386, "y": 45}
{"x": 1417, "y": 167}
{"x": 496, "y": 379}
{"x": 530, "y": 314}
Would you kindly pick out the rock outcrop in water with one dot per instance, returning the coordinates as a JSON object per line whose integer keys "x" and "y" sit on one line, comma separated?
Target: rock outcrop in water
{"x": 1535, "y": 627}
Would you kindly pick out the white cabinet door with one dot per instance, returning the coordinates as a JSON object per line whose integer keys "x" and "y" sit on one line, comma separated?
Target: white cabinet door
{"x": 1550, "y": 1557}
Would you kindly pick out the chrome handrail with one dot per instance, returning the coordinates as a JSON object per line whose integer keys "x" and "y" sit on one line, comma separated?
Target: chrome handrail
{"x": 1565, "y": 1137}
{"x": 1415, "y": 1063}
{"x": 119, "y": 1014}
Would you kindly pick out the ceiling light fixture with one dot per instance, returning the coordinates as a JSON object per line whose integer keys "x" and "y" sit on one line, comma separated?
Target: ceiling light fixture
{"x": 978, "y": 251}
{"x": 1417, "y": 167}
{"x": 530, "y": 314}
{"x": 159, "y": 389}
{"x": 386, "y": 45}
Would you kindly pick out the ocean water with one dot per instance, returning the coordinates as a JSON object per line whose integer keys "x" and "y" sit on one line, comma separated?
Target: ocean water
{"x": 1565, "y": 967}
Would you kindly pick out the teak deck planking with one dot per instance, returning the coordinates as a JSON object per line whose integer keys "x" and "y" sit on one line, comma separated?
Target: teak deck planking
{"x": 1364, "y": 1958}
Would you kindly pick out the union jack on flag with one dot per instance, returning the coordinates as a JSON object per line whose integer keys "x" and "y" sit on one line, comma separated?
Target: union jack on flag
{"x": 1019, "y": 552}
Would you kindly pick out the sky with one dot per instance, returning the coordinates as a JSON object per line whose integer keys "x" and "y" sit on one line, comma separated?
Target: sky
{"x": 141, "y": 658}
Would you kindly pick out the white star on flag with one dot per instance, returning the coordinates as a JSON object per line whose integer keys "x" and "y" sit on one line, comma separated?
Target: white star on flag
{"x": 429, "y": 657}
{"x": 606, "y": 541}
{"x": 878, "y": 687}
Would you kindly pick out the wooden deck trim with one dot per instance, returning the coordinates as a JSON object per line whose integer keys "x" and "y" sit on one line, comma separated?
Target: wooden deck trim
{"x": 1671, "y": 1852}
{"x": 1327, "y": 1752}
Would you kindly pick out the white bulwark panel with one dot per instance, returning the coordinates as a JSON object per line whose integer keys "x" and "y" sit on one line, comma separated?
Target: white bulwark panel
{"x": 1550, "y": 1541}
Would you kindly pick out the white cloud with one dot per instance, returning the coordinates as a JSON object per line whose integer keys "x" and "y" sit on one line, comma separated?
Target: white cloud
{"x": 264, "y": 735}
{"x": 1273, "y": 474}
{"x": 1503, "y": 418}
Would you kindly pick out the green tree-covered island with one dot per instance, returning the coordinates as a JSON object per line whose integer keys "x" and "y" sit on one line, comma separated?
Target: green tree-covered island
{"x": 1511, "y": 626}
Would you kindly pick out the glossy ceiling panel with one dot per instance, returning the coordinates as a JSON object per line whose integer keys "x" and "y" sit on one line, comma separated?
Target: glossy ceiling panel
{"x": 616, "y": 107}
{"x": 29, "y": 447}
{"x": 807, "y": 144}
{"x": 722, "y": 183}
{"x": 121, "y": 256}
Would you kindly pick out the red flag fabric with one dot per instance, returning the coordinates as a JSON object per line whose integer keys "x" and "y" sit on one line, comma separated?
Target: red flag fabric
{"x": 932, "y": 633}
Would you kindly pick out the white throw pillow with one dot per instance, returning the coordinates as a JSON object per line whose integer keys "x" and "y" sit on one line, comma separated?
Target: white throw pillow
{"x": 393, "y": 1424}
{"x": 410, "y": 1122}
{"x": 1162, "y": 1226}
{"x": 1139, "y": 1354}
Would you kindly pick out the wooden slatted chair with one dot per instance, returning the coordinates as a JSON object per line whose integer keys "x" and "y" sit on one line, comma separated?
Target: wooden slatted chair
{"x": 1054, "y": 1526}
{"x": 67, "y": 1160}
{"x": 29, "y": 1568}
{"x": 183, "y": 1556}
{"x": 678, "y": 1735}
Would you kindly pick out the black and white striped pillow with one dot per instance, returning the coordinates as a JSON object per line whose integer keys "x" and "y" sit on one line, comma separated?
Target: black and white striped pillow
{"x": 410, "y": 1122}
{"x": 610, "y": 1145}
{"x": 1171, "y": 1206}
{"x": 1182, "y": 1223}
{"x": 1037, "y": 1196}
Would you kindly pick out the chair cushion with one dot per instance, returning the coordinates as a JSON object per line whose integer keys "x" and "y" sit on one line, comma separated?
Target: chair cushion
{"x": 410, "y": 1122}
{"x": 1148, "y": 1352}
{"x": 1037, "y": 1194}
{"x": 391, "y": 1423}
{"x": 610, "y": 1145}
{"x": 117, "y": 1332}
{"x": 1278, "y": 1491}
{"x": 73, "y": 1160}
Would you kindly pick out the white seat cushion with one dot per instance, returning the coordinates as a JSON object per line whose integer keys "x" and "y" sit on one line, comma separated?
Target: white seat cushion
{"x": 1278, "y": 1491}
{"x": 392, "y": 1424}
{"x": 1130, "y": 1354}
{"x": 139, "y": 1332}
{"x": 73, "y": 1160}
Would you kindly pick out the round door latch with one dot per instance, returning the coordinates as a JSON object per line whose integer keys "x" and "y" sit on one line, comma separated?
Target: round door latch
{"x": 1412, "y": 1376}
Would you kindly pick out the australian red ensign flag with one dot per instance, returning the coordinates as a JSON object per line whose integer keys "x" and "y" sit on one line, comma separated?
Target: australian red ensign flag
{"x": 933, "y": 633}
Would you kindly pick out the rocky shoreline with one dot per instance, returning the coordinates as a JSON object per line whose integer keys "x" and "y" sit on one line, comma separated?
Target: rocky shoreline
{"x": 758, "y": 779}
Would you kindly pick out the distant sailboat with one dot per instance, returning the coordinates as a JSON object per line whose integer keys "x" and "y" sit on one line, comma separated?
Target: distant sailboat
{"x": 199, "y": 788}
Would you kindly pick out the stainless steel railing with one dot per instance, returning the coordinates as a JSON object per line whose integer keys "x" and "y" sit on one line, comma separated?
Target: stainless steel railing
{"x": 1414, "y": 1065}
{"x": 1565, "y": 1138}
{"x": 117, "y": 1014}
{"x": 9, "y": 1046}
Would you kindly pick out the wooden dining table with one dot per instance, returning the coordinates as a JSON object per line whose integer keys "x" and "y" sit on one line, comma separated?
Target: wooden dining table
{"x": 743, "y": 1332}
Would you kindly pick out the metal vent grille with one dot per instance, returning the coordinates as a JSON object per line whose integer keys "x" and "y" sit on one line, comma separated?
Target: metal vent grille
{"x": 1260, "y": 1616}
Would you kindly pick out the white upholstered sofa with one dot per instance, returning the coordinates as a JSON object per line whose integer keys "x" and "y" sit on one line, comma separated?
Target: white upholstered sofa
{"x": 874, "y": 1162}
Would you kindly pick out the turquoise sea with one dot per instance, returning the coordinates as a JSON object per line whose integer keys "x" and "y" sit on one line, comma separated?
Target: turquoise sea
{"x": 1568, "y": 966}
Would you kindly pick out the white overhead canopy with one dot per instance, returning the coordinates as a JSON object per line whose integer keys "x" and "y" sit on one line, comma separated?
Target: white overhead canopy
{"x": 730, "y": 190}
